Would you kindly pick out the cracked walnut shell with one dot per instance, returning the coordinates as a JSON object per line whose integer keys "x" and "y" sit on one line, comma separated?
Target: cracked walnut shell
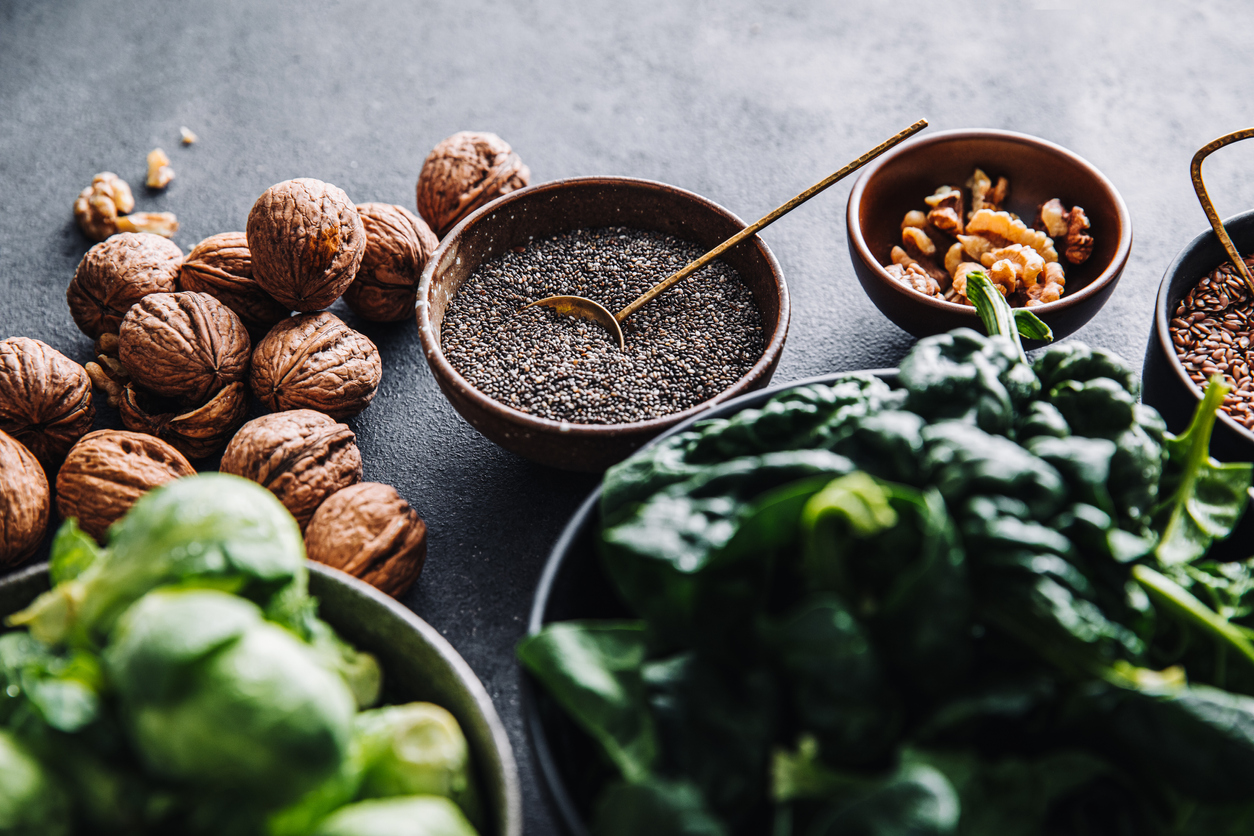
{"x": 116, "y": 274}
{"x": 196, "y": 433}
{"x": 45, "y": 399}
{"x": 25, "y": 502}
{"x": 108, "y": 470}
{"x": 463, "y": 173}
{"x": 369, "y": 531}
{"x": 183, "y": 345}
{"x": 315, "y": 361}
{"x": 306, "y": 241}
{"x": 301, "y": 456}
{"x": 398, "y": 245}
{"x": 222, "y": 266}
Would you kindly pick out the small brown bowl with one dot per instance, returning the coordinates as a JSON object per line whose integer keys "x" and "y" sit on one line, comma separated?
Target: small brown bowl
{"x": 1038, "y": 171}
{"x": 558, "y": 206}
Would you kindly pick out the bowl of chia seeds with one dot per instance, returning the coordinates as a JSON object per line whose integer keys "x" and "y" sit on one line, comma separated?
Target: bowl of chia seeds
{"x": 1204, "y": 325}
{"x": 559, "y": 390}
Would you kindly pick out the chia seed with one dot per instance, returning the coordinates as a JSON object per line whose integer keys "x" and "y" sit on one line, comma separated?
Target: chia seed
{"x": 684, "y": 347}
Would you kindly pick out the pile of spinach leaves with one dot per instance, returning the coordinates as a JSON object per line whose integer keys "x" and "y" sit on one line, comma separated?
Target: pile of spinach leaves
{"x": 978, "y": 603}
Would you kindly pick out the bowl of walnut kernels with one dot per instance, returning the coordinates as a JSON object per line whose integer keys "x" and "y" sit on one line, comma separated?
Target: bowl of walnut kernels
{"x": 1049, "y": 230}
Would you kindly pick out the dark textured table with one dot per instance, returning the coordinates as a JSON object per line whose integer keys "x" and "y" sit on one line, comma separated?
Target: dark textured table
{"x": 743, "y": 104}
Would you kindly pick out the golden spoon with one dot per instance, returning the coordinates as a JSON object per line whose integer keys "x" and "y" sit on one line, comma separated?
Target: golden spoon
{"x": 578, "y": 306}
{"x": 1209, "y": 208}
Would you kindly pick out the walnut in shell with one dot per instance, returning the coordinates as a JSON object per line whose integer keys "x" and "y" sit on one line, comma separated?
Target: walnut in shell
{"x": 369, "y": 531}
{"x": 108, "y": 470}
{"x": 306, "y": 241}
{"x": 302, "y": 456}
{"x": 464, "y": 172}
{"x": 398, "y": 245}
{"x": 315, "y": 361}
{"x": 24, "y": 502}
{"x": 222, "y": 266}
{"x": 195, "y": 432}
{"x": 45, "y": 399}
{"x": 183, "y": 345}
{"x": 116, "y": 274}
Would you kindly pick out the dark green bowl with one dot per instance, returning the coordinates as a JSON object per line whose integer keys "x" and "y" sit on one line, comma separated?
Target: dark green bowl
{"x": 418, "y": 664}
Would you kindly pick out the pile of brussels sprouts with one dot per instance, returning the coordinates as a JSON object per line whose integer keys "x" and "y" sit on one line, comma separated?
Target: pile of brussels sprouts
{"x": 179, "y": 680}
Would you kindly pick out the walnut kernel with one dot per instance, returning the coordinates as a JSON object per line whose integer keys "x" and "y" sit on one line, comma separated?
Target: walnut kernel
{"x": 25, "y": 502}
{"x": 306, "y": 240}
{"x": 315, "y": 361}
{"x": 398, "y": 245}
{"x": 369, "y": 531}
{"x": 97, "y": 207}
{"x": 117, "y": 273}
{"x": 222, "y": 266}
{"x": 159, "y": 171}
{"x": 301, "y": 456}
{"x": 464, "y": 172}
{"x": 45, "y": 399}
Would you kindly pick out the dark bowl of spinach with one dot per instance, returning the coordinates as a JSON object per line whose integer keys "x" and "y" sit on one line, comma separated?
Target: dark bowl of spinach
{"x": 979, "y": 600}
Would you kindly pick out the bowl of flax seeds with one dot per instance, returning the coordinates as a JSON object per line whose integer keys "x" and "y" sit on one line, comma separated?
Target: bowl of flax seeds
{"x": 559, "y": 390}
{"x": 1204, "y": 326}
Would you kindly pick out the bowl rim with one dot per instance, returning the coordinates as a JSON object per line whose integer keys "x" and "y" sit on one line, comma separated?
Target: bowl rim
{"x": 1093, "y": 288}
{"x": 440, "y": 365}
{"x": 1161, "y": 331}
{"x": 512, "y": 814}
{"x": 551, "y": 778}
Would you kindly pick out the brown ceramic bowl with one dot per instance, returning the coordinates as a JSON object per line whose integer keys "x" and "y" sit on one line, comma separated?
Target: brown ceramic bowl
{"x": 559, "y": 206}
{"x": 1038, "y": 171}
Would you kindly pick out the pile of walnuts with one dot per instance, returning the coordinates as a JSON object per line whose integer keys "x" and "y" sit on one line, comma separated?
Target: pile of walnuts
{"x": 182, "y": 341}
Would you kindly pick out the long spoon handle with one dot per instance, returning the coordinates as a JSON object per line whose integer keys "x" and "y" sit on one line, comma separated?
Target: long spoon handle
{"x": 1209, "y": 208}
{"x": 670, "y": 281}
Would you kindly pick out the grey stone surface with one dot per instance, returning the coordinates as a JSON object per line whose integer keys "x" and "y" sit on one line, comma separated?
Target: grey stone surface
{"x": 743, "y": 103}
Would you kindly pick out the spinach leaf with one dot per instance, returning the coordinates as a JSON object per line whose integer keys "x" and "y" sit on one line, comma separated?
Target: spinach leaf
{"x": 997, "y": 315}
{"x": 1076, "y": 361}
{"x": 72, "y": 552}
{"x": 594, "y": 671}
{"x": 1205, "y": 498}
{"x": 915, "y": 800}
{"x": 656, "y": 807}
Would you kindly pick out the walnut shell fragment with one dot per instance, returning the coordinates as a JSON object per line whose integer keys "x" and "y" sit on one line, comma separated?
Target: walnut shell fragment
{"x": 315, "y": 361}
{"x": 398, "y": 245}
{"x": 463, "y": 173}
{"x": 222, "y": 266}
{"x": 183, "y": 345}
{"x": 25, "y": 502}
{"x": 196, "y": 433}
{"x": 301, "y": 456}
{"x": 45, "y": 399}
{"x": 369, "y": 531}
{"x": 116, "y": 274}
{"x": 108, "y": 470}
{"x": 306, "y": 241}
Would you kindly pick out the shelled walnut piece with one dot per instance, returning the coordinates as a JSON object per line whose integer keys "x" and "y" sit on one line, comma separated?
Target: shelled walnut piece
{"x": 315, "y": 361}
{"x": 1021, "y": 261}
{"x": 102, "y": 209}
{"x": 159, "y": 171}
{"x": 25, "y": 502}
{"x": 222, "y": 266}
{"x": 301, "y": 456}
{"x": 108, "y": 470}
{"x": 116, "y": 274}
{"x": 45, "y": 399}
{"x": 397, "y": 248}
{"x": 369, "y": 531}
{"x": 306, "y": 241}
{"x": 462, "y": 173}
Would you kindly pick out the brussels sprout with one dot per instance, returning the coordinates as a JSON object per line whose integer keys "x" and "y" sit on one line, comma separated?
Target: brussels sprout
{"x": 220, "y": 699}
{"x": 419, "y": 815}
{"x": 212, "y": 530}
{"x": 30, "y": 803}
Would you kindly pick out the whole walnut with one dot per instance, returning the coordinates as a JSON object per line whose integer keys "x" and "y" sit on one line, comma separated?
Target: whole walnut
{"x": 117, "y": 273}
{"x": 302, "y": 456}
{"x": 464, "y": 172}
{"x": 315, "y": 361}
{"x": 306, "y": 241}
{"x": 45, "y": 399}
{"x": 222, "y": 266}
{"x": 195, "y": 432}
{"x": 183, "y": 345}
{"x": 369, "y": 531}
{"x": 397, "y": 248}
{"x": 108, "y": 470}
{"x": 24, "y": 502}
